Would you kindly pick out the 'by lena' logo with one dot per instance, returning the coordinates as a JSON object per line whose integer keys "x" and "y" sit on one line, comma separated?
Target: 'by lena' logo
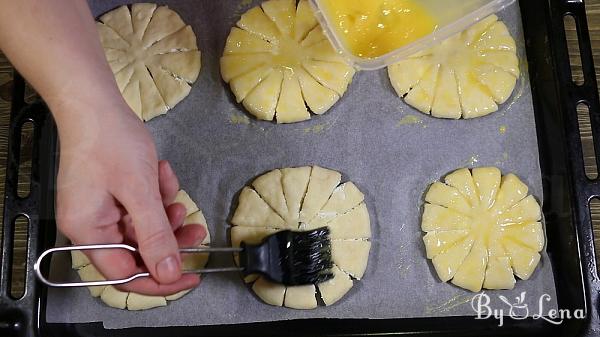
{"x": 519, "y": 310}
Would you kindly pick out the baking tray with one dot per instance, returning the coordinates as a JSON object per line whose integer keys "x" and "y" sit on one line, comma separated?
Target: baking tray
{"x": 567, "y": 193}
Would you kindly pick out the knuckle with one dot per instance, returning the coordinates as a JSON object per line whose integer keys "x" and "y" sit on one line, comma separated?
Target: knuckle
{"x": 68, "y": 222}
{"x": 152, "y": 240}
{"x": 124, "y": 264}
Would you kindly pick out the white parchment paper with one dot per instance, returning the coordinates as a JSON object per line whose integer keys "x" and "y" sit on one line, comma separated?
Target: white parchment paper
{"x": 389, "y": 150}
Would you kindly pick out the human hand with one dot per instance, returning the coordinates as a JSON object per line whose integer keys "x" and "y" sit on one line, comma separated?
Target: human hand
{"x": 113, "y": 189}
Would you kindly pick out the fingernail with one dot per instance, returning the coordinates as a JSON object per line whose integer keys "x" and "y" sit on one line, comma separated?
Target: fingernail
{"x": 169, "y": 168}
{"x": 200, "y": 237}
{"x": 167, "y": 268}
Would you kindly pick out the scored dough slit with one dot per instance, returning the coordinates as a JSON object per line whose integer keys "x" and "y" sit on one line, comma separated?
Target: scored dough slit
{"x": 456, "y": 210}
{"x": 128, "y": 80}
{"x": 117, "y": 50}
{"x": 166, "y": 37}
{"x": 313, "y": 37}
{"x": 495, "y": 67}
{"x": 328, "y": 221}
{"x": 327, "y": 82}
{"x": 258, "y": 35}
{"x": 285, "y": 217}
{"x": 347, "y": 273}
{"x": 110, "y": 41}
{"x": 175, "y": 76}
{"x": 319, "y": 297}
{"x": 164, "y": 99}
{"x": 418, "y": 81}
{"x": 273, "y": 210}
{"x": 303, "y": 37}
{"x": 483, "y": 87}
{"x": 434, "y": 86}
{"x": 173, "y": 51}
{"x": 359, "y": 272}
{"x": 460, "y": 101}
{"x": 122, "y": 65}
{"x": 313, "y": 77}
{"x": 146, "y": 21}
{"x": 304, "y": 194}
{"x": 117, "y": 33}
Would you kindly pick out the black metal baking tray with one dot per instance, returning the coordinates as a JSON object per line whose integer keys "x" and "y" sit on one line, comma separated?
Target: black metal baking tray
{"x": 567, "y": 193}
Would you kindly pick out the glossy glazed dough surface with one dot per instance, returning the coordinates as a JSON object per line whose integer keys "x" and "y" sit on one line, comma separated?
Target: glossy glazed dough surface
{"x": 481, "y": 228}
{"x": 304, "y": 198}
{"x": 153, "y": 55}
{"x": 465, "y": 76}
{"x": 132, "y": 301}
{"x": 278, "y": 62}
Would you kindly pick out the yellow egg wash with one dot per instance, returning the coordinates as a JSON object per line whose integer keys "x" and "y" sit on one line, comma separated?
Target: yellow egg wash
{"x": 371, "y": 28}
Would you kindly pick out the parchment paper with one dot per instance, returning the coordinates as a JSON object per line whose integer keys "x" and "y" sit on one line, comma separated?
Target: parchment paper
{"x": 391, "y": 151}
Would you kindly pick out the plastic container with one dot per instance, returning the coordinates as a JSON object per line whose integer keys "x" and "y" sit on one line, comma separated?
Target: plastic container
{"x": 451, "y": 16}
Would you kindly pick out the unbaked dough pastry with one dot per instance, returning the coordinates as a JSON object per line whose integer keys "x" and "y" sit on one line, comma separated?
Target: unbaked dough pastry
{"x": 277, "y": 62}
{"x": 466, "y": 76}
{"x": 115, "y": 298}
{"x": 482, "y": 228}
{"x": 304, "y": 198}
{"x": 153, "y": 55}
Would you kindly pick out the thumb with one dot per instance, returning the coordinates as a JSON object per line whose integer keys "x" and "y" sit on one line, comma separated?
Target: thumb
{"x": 156, "y": 241}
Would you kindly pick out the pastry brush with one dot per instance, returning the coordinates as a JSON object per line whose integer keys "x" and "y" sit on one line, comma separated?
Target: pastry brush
{"x": 286, "y": 257}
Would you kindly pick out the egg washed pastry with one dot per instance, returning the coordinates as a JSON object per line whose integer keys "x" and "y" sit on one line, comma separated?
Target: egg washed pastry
{"x": 115, "y": 298}
{"x": 305, "y": 198}
{"x": 153, "y": 55}
{"x": 466, "y": 76}
{"x": 277, "y": 62}
{"x": 482, "y": 228}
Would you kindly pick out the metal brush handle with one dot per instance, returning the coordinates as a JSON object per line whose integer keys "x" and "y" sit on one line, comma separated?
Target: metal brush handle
{"x": 43, "y": 279}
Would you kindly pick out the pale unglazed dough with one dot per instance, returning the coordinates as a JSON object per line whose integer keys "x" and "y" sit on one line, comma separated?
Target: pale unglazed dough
{"x": 334, "y": 289}
{"x": 295, "y": 183}
{"x": 271, "y": 293}
{"x": 481, "y": 228}
{"x": 153, "y": 55}
{"x": 89, "y": 273}
{"x": 344, "y": 198}
{"x": 115, "y": 298}
{"x": 320, "y": 187}
{"x": 301, "y": 297}
{"x": 277, "y": 62}
{"x": 466, "y": 76}
{"x": 269, "y": 187}
{"x": 253, "y": 211}
{"x": 282, "y": 199}
{"x": 78, "y": 259}
{"x": 351, "y": 256}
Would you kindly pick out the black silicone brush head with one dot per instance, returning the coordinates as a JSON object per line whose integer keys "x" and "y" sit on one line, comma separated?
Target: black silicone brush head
{"x": 306, "y": 256}
{"x": 291, "y": 258}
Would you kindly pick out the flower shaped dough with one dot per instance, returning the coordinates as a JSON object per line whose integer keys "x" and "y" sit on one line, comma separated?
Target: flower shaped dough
{"x": 305, "y": 198}
{"x": 277, "y": 61}
{"x": 153, "y": 55}
{"x": 133, "y": 301}
{"x": 466, "y": 76}
{"x": 481, "y": 228}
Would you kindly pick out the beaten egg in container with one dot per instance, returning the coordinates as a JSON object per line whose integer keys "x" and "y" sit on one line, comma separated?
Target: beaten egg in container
{"x": 376, "y": 27}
